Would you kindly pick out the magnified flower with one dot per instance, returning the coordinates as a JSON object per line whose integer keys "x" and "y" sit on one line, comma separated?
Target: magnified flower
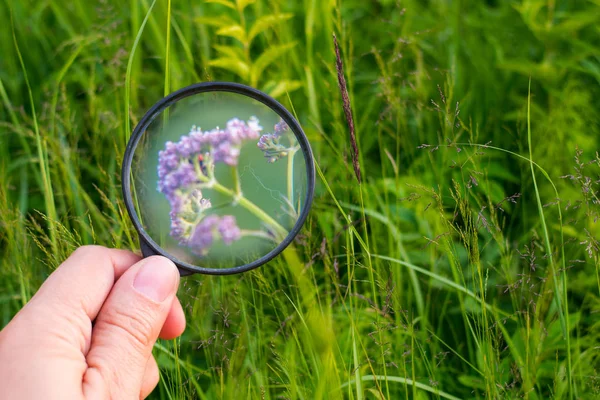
{"x": 209, "y": 229}
{"x": 228, "y": 229}
{"x": 271, "y": 145}
{"x": 203, "y": 235}
{"x": 223, "y": 145}
{"x": 281, "y": 127}
{"x": 182, "y": 169}
{"x": 185, "y": 213}
{"x": 254, "y": 125}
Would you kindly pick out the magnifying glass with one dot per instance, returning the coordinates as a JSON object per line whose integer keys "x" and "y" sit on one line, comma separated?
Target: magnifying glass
{"x": 218, "y": 177}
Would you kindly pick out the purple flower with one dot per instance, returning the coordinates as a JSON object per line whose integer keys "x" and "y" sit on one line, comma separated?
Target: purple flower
{"x": 222, "y": 145}
{"x": 199, "y": 204}
{"x": 281, "y": 127}
{"x": 254, "y": 126}
{"x": 177, "y": 229}
{"x": 270, "y": 146}
{"x": 176, "y": 203}
{"x": 182, "y": 169}
{"x": 186, "y": 174}
{"x": 228, "y": 229}
{"x": 209, "y": 229}
{"x": 203, "y": 235}
{"x": 226, "y": 153}
{"x": 270, "y": 142}
{"x": 188, "y": 145}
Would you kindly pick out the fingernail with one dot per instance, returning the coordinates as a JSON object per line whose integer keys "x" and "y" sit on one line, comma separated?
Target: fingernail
{"x": 156, "y": 278}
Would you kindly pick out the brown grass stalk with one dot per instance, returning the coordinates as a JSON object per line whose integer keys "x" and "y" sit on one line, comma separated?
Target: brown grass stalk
{"x": 339, "y": 66}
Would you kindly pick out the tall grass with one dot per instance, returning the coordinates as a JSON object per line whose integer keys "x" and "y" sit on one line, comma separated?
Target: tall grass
{"x": 465, "y": 265}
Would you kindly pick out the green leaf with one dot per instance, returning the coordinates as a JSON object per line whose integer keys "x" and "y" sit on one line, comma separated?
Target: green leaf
{"x": 229, "y": 51}
{"x": 474, "y": 382}
{"x": 215, "y": 21}
{"x": 376, "y": 394}
{"x": 277, "y": 89}
{"x": 575, "y": 22}
{"x": 225, "y": 3}
{"x": 266, "y": 22}
{"x": 268, "y": 57}
{"x": 234, "y": 65}
{"x": 234, "y": 31}
{"x": 244, "y": 3}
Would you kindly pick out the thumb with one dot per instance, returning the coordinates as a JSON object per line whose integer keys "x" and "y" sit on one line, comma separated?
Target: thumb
{"x": 126, "y": 328}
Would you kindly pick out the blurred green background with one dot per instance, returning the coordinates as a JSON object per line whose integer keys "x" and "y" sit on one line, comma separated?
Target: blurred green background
{"x": 449, "y": 272}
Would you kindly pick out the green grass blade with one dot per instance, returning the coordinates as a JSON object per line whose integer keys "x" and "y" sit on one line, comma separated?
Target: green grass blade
{"x": 42, "y": 153}
{"x": 406, "y": 381}
{"x": 562, "y": 313}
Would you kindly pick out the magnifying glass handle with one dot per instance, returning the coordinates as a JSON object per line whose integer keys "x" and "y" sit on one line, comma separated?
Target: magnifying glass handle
{"x": 147, "y": 251}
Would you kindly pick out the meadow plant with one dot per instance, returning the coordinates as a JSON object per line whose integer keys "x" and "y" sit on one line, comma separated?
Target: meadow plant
{"x": 434, "y": 278}
{"x": 271, "y": 146}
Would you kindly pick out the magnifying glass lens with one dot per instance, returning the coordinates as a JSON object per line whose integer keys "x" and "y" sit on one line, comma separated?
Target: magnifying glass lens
{"x": 218, "y": 179}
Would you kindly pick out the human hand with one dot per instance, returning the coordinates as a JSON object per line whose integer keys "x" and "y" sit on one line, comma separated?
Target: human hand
{"x": 89, "y": 330}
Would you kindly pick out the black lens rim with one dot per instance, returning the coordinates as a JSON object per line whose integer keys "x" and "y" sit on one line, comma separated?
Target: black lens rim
{"x": 231, "y": 87}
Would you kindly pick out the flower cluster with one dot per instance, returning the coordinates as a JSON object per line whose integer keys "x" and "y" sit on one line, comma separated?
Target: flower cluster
{"x": 271, "y": 145}
{"x": 281, "y": 127}
{"x": 185, "y": 212}
{"x": 209, "y": 229}
{"x": 182, "y": 169}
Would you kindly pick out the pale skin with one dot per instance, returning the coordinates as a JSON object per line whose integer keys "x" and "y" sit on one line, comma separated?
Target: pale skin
{"x": 88, "y": 332}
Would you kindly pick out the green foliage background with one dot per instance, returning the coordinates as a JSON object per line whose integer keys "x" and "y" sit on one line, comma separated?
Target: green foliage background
{"x": 448, "y": 273}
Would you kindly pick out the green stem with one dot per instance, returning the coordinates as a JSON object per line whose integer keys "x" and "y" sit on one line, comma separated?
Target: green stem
{"x": 236, "y": 181}
{"x": 280, "y": 231}
{"x": 290, "y": 177}
{"x": 258, "y": 233}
